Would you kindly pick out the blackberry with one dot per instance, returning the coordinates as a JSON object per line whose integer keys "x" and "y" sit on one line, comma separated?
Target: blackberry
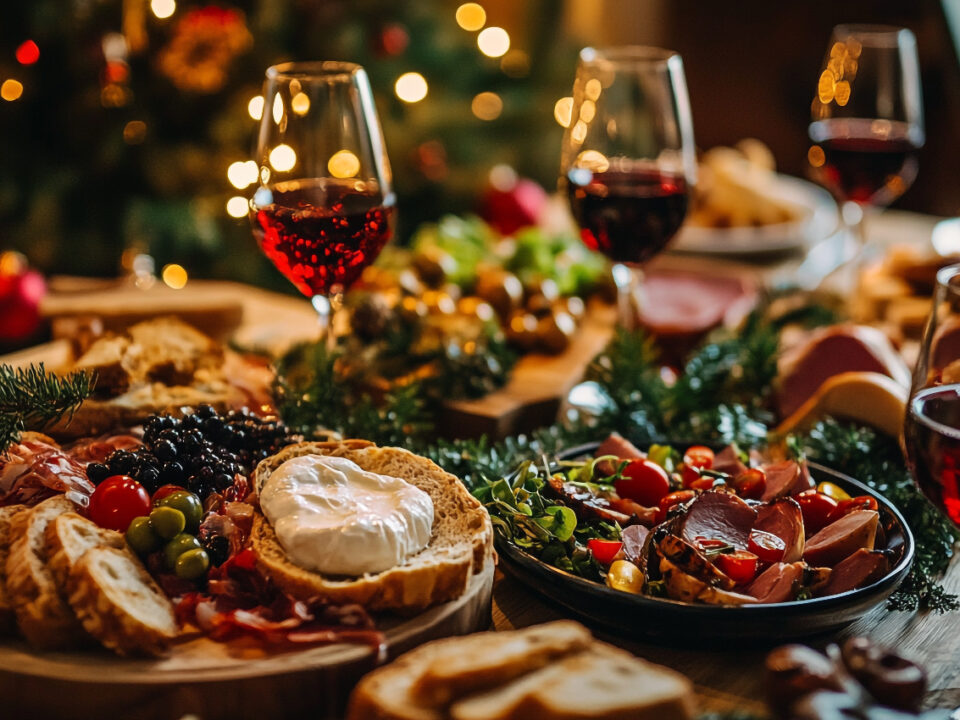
{"x": 97, "y": 472}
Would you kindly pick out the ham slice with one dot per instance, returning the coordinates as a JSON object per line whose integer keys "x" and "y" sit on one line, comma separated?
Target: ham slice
{"x": 634, "y": 539}
{"x": 842, "y": 538}
{"x": 620, "y": 447}
{"x": 717, "y": 515}
{"x": 683, "y": 304}
{"x": 831, "y": 351}
{"x": 778, "y": 583}
{"x": 784, "y": 519}
{"x": 856, "y": 571}
{"x": 728, "y": 461}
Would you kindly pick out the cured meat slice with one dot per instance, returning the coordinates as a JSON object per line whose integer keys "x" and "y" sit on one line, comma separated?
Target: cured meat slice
{"x": 856, "y": 571}
{"x": 634, "y": 540}
{"x": 716, "y": 515}
{"x": 784, "y": 519}
{"x": 785, "y": 478}
{"x": 585, "y": 503}
{"x": 842, "y": 538}
{"x": 683, "y": 586}
{"x": 728, "y": 461}
{"x": 778, "y": 583}
{"x": 691, "y": 561}
{"x": 620, "y": 447}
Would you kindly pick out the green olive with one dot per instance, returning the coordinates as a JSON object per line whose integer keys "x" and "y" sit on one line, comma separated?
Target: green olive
{"x": 167, "y": 522}
{"x": 192, "y": 564}
{"x": 178, "y": 546}
{"x": 141, "y": 536}
{"x": 187, "y": 503}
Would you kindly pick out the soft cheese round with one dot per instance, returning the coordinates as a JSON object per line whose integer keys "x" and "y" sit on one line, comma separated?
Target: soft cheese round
{"x": 332, "y": 516}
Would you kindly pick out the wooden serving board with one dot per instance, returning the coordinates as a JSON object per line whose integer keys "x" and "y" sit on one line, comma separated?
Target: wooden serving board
{"x": 217, "y": 681}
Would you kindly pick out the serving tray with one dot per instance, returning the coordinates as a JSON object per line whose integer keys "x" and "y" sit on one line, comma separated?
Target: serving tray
{"x": 666, "y": 620}
{"x": 217, "y": 681}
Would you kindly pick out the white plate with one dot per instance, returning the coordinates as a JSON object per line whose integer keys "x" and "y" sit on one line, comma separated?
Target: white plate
{"x": 819, "y": 221}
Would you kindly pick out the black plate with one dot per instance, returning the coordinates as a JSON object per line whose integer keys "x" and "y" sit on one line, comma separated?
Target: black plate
{"x": 649, "y": 617}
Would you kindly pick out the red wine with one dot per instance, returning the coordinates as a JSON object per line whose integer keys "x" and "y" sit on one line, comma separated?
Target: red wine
{"x": 867, "y": 161}
{"x": 629, "y": 216}
{"x": 932, "y": 435}
{"x": 322, "y": 233}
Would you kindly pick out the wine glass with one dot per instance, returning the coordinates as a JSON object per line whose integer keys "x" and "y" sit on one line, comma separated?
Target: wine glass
{"x": 932, "y": 425}
{"x": 628, "y": 162}
{"x": 324, "y": 207}
{"x": 867, "y": 120}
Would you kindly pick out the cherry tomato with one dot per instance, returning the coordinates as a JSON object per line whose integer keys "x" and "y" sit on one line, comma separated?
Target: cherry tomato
{"x": 675, "y": 498}
{"x": 117, "y": 501}
{"x": 751, "y": 483}
{"x": 740, "y": 565}
{"x": 604, "y": 550}
{"x": 165, "y": 490}
{"x": 816, "y": 508}
{"x": 644, "y": 482}
{"x": 702, "y": 483}
{"x": 845, "y": 507}
{"x": 710, "y": 543}
{"x": 766, "y": 546}
{"x": 695, "y": 459}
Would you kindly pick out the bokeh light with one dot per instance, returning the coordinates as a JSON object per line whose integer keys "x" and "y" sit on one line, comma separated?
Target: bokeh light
{"x": 283, "y": 158}
{"x": 28, "y": 53}
{"x": 277, "y": 108}
{"x": 242, "y": 174}
{"x": 563, "y": 110}
{"x": 175, "y": 276}
{"x": 343, "y": 164}
{"x": 471, "y": 16}
{"x": 487, "y": 106}
{"x": 11, "y": 90}
{"x": 134, "y": 132}
{"x": 163, "y": 8}
{"x": 815, "y": 156}
{"x": 300, "y": 103}
{"x": 411, "y": 87}
{"x": 493, "y": 42}
{"x": 255, "y": 107}
{"x": 237, "y": 206}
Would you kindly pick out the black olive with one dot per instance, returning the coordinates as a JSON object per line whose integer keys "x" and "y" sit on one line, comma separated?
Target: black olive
{"x": 97, "y": 472}
{"x": 149, "y": 477}
{"x": 165, "y": 450}
{"x": 122, "y": 462}
{"x": 172, "y": 473}
{"x": 206, "y": 411}
{"x": 221, "y": 481}
{"x": 218, "y": 548}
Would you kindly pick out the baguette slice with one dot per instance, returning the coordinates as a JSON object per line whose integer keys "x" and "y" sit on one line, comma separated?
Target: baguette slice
{"x": 8, "y": 620}
{"x": 44, "y": 618}
{"x": 68, "y": 537}
{"x": 601, "y": 683}
{"x": 460, "y": 543}
{"x": 420, "y": 683}
{"x": 119, "y": 603}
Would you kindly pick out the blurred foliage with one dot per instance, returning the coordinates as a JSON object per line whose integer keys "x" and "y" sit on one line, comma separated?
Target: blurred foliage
{"x": 77, "y": 190}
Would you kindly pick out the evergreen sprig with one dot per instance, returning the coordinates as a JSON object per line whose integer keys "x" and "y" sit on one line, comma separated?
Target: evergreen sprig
{"x": 33, "y": 399}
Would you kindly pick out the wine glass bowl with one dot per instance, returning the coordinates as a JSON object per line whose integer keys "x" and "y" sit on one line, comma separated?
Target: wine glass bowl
{"x": 867, "y": 115}
{"x": 324, "y": 206}
{"x": 628, "y": 160}
{"x": 932, "y": 423}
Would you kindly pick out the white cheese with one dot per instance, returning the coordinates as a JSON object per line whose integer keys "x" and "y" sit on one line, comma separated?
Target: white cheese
{"x": 334, "y": 517}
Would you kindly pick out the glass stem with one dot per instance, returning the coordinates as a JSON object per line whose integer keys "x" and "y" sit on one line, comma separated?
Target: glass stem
{"x": 629, "y": 282}
{"x": 328, "y": 309}
{"x": 853, "y": 219}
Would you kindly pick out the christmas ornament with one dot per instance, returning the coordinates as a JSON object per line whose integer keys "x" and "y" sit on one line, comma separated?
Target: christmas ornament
{"x": 204, "y": 44}
{"x": 21, "y": 290}
{"x": 510, "y": 203}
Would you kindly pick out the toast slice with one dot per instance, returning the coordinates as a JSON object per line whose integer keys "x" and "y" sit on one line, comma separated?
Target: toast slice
{"x": 8, "y": 620}
{"x": 43, "y": 616}
{"x": 460, "y": 543}
{"x": 69, "y": 536}
{"x": 601, "y": 683}
{"x": 119, "y": 603}
{"x": 420, "y": 683}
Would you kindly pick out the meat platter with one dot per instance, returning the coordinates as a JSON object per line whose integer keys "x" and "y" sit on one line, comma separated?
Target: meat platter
{"x": 718, "y": 614}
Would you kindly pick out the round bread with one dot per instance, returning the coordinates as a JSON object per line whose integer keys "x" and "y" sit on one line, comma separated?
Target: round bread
{"x": 461, "y": 539}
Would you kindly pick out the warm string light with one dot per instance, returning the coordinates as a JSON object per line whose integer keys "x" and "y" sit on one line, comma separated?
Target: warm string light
{"x": 493, "y": 42}
{"x": 163, "y": 8}
{"x": 471, "y": 16}
{"x": 11, "y": 90}
{"x": 134, "y": 132}
{"x": 237, "y": 207}
{"x": 487, "y": 106}
{"x": 242, "y": 174}
{"x": 283, "y": 158}
{"x": 174, "y": 276}
{"x": 343, "y": 164}
{"x": 28, "y": 53}
{"x": 255, "y": 107}
{"x": 411, "y": 87}
{"x": 563, "y": 111}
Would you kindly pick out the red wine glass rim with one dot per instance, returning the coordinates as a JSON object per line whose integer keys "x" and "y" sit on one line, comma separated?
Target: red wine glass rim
{"x": 935, "y": 425}
{"x": 328, "y": 69}
{"x": 872, "y": 35}
{"x": 637, "y": 55}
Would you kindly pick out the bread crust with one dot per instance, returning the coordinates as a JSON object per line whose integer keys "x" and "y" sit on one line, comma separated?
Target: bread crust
{"x": 8, "y": 620}
{"x": 461, "y": 540}
{"x": 64, "y": 548}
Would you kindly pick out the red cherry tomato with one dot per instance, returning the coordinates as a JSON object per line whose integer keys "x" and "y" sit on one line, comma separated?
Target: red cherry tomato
{"x": 702, "y": 483}
{"x": 675, "y": 498}
{"x": 163, "y": 491}
{"x": 117, "y": 501}
{"x": 816, "y": 508}
{"x": 740, "y": 565}
{"x": 751, "y": 484}
{"x": 845, "y": 507}
{"x": 695, "y": 459}
{"x": 766, "y": 546}
{"x": 604, "y": 550}
{"x": 644, "y": 482}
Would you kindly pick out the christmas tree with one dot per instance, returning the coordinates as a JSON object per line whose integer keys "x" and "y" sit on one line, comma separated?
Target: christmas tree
{"x": 125, "y": 124}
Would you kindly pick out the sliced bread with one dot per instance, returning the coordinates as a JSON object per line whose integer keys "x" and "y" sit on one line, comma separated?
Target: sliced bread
{"x": 119, "y": 603}
{"x": 460, "y": 543}
{"x": 420, "y": 683}
{"x": 68, "y": 537}
{"x": 8, "y": 621}
{"x": 601, "y": 683}
{"x": 43, "y": 616}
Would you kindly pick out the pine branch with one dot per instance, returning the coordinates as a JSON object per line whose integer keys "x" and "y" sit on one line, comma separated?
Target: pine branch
{"x": 33, "y": 399}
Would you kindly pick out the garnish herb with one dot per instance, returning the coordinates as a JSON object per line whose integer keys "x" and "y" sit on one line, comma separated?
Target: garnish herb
{"x": 33, "y": 399}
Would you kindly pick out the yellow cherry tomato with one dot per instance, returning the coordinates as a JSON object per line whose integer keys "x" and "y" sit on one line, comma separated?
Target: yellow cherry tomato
{"x": 831, "y": 490}
{"x": 624, "y": 575}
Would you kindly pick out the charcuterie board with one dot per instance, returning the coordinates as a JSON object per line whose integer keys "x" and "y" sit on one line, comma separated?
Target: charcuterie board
{"x": 214, "y": 680}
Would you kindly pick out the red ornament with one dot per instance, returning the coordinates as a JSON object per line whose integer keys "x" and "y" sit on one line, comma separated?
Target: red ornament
{"x": 28, "y": 53}
{"x": 392, "y": 40}
{"x": 21, "y": 290}
{"x": 511, "y": 207}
